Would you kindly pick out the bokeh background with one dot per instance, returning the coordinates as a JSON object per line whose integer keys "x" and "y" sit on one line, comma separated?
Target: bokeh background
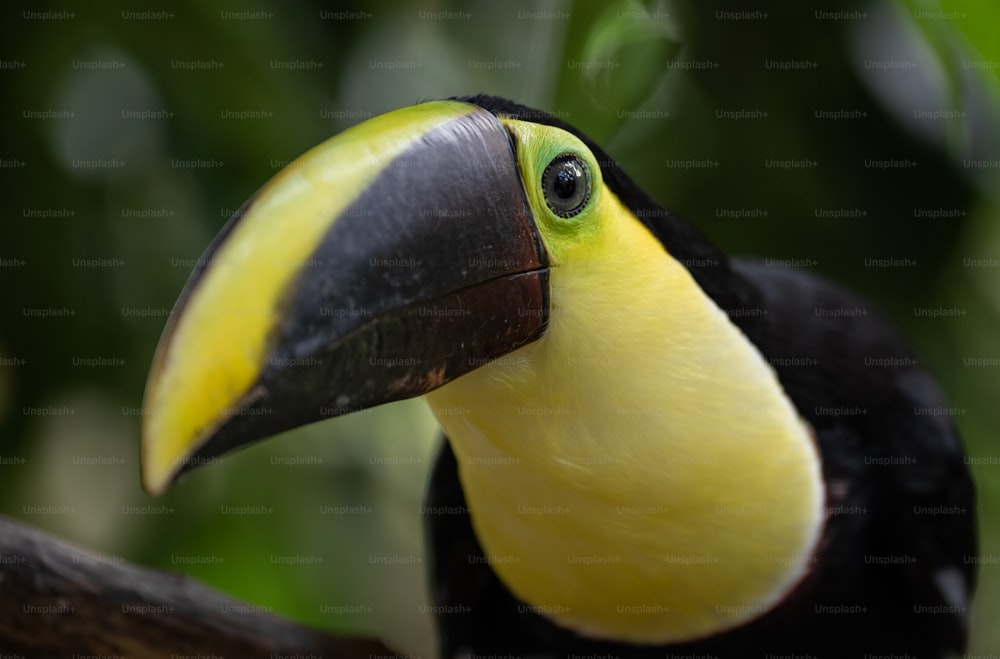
{"x": 857, "y": 139}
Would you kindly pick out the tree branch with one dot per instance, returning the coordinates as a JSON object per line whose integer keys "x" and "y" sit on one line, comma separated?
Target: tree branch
{"x": 60, "y": 601}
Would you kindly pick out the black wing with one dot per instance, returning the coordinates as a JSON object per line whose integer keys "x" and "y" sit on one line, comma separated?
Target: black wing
{"x": 889, "y": 446}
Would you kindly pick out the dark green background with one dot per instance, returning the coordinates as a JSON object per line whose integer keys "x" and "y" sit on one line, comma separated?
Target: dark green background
{"x": 661, "y": 86}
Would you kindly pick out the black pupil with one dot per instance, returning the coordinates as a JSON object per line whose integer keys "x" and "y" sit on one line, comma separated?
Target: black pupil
{"x": 565, "y": 182}
{"x": 566, "y": 185}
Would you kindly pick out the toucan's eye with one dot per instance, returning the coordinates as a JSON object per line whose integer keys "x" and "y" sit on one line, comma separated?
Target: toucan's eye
{"x": 566, "y": 185}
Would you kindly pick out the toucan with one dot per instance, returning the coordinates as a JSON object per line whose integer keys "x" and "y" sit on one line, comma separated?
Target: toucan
{"x": 652, "y": 449}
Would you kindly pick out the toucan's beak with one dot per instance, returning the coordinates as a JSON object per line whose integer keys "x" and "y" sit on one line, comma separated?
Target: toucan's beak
{"x": 380, "y": 265}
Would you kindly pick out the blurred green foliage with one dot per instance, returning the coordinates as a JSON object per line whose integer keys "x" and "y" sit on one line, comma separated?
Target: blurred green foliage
{"x": 693, "y": 101}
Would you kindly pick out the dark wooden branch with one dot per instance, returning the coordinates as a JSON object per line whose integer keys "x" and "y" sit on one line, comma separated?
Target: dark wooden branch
{"x": 59, "y": 601}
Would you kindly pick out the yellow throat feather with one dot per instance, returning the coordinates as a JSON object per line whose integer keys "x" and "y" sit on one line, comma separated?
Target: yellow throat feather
{"x": 637, "y": 474}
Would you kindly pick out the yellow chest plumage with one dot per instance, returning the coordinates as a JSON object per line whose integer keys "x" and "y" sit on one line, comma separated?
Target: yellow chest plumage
{"x": 638, "y": 473}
